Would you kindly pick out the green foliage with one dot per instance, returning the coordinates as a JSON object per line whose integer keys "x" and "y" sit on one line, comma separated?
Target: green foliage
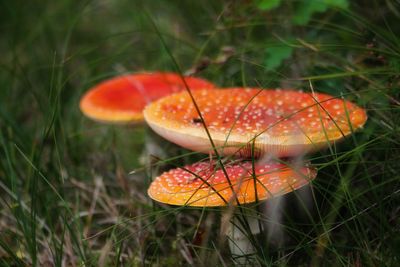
{"x": 275, "y": 55}
{"x": 268, "y": 4}
{"x": 301, "y": 16}
{"x": 305, "y": 9}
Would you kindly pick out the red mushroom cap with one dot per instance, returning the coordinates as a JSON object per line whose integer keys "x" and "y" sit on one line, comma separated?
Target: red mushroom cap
{"x": 200, "y": 184}
{"x": 123, "y": 98}
{"x": 282, "y": 122}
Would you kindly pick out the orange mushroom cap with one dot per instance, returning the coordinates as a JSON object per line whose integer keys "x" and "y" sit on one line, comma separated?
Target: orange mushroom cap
{"x": 282, "y": 122}
{"x": 200, "y": 184}
{"x": 123, "y": 98}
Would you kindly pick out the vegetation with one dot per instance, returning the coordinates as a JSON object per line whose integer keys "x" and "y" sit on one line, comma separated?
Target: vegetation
{"x": 73, "y": 191}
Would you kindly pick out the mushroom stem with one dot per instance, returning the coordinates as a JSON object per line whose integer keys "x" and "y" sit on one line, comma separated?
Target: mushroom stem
{"x": 243, "y": 229}
{"x": 152, "y": 147}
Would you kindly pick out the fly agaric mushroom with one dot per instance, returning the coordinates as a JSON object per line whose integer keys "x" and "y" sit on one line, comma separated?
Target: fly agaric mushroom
{"x": 201, "y": 185}
{"x": 123, "y": 98}
{"x": 281, "y": 122}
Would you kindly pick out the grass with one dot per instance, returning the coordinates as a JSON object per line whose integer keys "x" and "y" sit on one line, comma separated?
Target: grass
{"x": 67, "y": 197}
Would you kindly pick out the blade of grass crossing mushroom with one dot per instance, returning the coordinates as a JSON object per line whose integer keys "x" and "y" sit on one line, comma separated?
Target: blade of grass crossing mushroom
{"x": 170, "y": 183}
{"x": 245, "y": 222}
{"x": 289, "y": 116}
{"x": 322, "y": 241}
{"x": 253, "y": 166}
{"x": 289, "y": 166}
{"x": 360, "y": 160}
{"x": 238, "y": 116}
{"x": 348, "y": 119}
{"x": 203, "y": 180}
{"x": 253, "y": 172}
{"x": 327, "y": 113}
{"x": 356, "y": 144}
{"x": 323, "y": 126}
{"x": 283, "y": 140}
{"x": 179, "y": 71}
{"x": 317, "y": 103}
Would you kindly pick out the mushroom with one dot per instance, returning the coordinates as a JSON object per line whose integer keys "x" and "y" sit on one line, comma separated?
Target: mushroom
{"x": 123, "y": 98}
{"x": 243, "y": 182}
{"x": 281, "y": 123}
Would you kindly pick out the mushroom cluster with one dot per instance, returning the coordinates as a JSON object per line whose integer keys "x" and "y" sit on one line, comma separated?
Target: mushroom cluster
{"x": 238, "y": 126}
{"x": 245, "y": 124}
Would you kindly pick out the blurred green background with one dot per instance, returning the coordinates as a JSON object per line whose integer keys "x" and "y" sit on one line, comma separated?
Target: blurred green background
{"x": 66, "y": 195}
